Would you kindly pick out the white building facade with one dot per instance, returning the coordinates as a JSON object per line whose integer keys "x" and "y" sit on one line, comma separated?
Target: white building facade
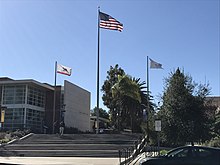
{"x": 77, "y": 107}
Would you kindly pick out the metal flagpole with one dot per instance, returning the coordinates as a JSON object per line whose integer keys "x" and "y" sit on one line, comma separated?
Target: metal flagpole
{"x": 148, "y": 96}
{"x": 54, "y": 97}
{"x": 97, "y": 111}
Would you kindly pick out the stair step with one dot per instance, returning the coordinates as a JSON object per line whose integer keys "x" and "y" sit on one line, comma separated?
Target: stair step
{"x": 72, "y": 145}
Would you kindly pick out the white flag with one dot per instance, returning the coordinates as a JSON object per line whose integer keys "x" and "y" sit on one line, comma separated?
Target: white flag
{"x": 64, "y": 70}
{"x": 155, "y": 65}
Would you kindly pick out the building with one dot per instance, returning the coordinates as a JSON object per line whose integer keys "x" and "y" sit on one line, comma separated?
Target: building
{"x": 28, "y": 104}
{"x": 103, "y": 123}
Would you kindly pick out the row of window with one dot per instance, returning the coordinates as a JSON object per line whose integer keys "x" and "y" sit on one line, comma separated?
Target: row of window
{"x": 15, "y": 115}
{"x": 15, "y": 94}
{"x": 36, "y": 97}
{"x": 14, "y": 118}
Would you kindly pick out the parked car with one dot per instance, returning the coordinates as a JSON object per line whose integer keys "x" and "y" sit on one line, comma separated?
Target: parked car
{"x": 187, "y": 155}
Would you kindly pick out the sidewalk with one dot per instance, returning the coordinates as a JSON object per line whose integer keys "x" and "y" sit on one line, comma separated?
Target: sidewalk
{"x": 59, "y": 160}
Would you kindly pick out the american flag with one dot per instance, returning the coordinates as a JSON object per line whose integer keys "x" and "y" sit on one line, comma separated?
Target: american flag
{"x": 108, "y": 22}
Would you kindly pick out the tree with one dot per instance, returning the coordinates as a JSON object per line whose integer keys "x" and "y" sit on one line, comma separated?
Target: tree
{"x": 127, "y": 93}
{"x": 129, "y": 100}
{"x": 217, "y": 124}
{"x": 145, "y": 123}
{"x": 183, "y": 112}
{"x": 102, "y": 113}
{"x": 108, "y": 100}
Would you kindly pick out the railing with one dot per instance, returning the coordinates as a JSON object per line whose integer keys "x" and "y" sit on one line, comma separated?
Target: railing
{"x": 126, "y": 155}
{"x": 151, "y": 151}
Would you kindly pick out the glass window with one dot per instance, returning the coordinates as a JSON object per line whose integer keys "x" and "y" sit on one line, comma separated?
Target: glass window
{"x": 183, "y": 152}
{"x": 14, "y": 118}
{"x": 14, "y": 94}
{"x": 36, "y": 97}
{"x": 34, "y": 119}
{"x": 203, "y": 153}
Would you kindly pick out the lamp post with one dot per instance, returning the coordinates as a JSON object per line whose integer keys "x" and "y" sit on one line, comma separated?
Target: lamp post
{"x": 144, "y": 115}
{"x": 158, "y": 129}
{"x": 117, "y": 121}
{"x": 62, "y": 110}
{"x": 2, "y": 108}
{"x": 146, "y": 118}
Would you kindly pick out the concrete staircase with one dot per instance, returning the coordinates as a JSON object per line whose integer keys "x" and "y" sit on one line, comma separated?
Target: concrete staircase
{"x": 70, "y": 145}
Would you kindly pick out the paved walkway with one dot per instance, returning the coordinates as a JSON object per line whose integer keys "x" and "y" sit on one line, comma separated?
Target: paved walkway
{"x": 59, "y": 160}
{"x": 66, "y": 160}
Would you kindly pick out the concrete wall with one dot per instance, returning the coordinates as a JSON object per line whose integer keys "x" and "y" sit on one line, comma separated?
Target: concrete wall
{"x": 77, "y": 109}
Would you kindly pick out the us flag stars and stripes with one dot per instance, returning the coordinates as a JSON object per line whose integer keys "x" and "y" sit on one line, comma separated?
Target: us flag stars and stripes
{"x": 108, "y": 22}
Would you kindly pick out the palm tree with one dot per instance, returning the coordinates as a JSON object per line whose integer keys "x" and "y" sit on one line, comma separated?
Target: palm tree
{"x": 127, "y": 91}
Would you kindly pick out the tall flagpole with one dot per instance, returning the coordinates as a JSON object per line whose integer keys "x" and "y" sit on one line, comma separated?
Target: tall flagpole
{"x": 54, "y": 97}
{"x": 148, "y": 102}
{"x": 97, "y": 111}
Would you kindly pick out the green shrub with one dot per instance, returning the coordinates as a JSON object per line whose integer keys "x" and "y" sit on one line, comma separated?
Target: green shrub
{"x": 163, "y": 152}
{"x": 9, "y": 135}
{"x": 17, "y": 134}
{"x": 214, "y": 142}
{"x": 4, "y": 140}
{"x": 2, "y": 135}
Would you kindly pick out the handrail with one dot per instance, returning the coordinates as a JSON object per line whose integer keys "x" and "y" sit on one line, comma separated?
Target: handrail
{"x": 129, "y": 155}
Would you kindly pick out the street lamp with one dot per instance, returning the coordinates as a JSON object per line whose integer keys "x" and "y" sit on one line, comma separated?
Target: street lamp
{"x": 62, "y": 110}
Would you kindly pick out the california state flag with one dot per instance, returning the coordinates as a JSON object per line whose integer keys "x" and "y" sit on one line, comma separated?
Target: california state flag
{"x": 64, "y": 70}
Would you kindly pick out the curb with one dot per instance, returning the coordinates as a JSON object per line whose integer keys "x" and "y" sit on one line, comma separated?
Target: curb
{"x": 14, "y": 140}
{"x": 26, "y": 136}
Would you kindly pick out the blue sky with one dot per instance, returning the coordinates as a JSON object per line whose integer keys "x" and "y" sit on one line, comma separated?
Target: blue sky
{"x": 176, "y": 33}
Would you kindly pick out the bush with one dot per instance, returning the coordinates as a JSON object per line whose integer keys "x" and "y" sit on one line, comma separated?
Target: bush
{"x": 214, "y": 142}
{"x": 17, "y": 134}
{"x": 2, "y": 135}
{"x": 9, "y": 135}
{"x": 4, "y": 140}
{"x": 163, "y": 152}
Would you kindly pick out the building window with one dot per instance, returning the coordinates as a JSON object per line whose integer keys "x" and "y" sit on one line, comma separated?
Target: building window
{"x": 14, "y": 94}
{"x": 34, "y": 119}
{"x": 14, "y": 118}
{"x": 36, "y": 97}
